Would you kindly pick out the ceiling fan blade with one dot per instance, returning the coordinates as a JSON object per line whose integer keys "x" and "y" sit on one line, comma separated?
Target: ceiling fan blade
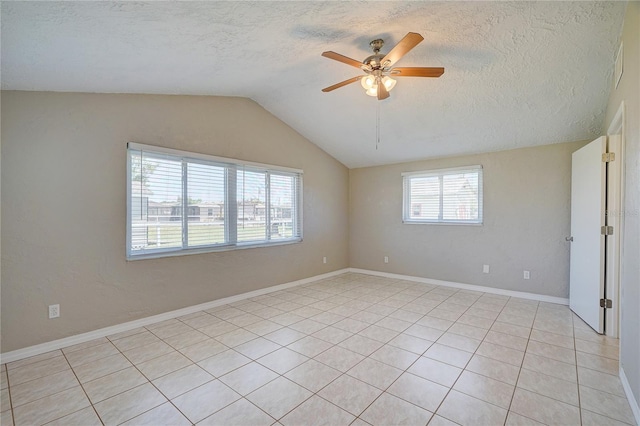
{"x": 383, "y": 93}
{"x": 341, "y": 58}
{"x": 409, "y": 41}
{"x": 416, "y": 72}
{"x": 342, "y": 83}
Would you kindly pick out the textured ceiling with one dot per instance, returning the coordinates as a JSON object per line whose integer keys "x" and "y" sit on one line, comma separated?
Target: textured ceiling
{"x": 517, "y": 73}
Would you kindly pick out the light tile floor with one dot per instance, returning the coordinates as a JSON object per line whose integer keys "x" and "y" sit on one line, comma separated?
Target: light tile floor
{"x": 354, "y": 349}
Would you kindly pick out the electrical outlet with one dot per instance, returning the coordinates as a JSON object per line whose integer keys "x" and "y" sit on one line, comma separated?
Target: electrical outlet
{"x": 527, "y": 275}
{"x": 485, "y": 269}
{"x": 54, "y": 311}
{"x": 386, "y": 259}
{"x": 324, "y": 259}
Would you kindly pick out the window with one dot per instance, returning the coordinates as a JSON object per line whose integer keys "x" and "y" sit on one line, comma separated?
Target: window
{"x": 443, "y": 196}
{"x": 180, "y": 202}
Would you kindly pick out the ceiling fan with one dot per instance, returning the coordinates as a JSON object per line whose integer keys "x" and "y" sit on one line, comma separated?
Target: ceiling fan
{"x": 379, "y": 68}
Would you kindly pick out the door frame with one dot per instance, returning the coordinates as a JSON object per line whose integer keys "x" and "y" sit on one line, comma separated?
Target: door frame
{"x": 615, "y": 218}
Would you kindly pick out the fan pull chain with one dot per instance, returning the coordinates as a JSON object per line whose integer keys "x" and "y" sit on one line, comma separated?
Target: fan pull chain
{"x": 377, "y": 124}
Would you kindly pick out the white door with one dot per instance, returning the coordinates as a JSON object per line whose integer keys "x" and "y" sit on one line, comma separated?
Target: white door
{"x": 588, "y": 197}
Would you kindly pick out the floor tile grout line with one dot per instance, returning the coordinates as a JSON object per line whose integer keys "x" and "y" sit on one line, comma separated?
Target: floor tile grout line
{"x": 9, "y": 367}
{"x": 83, "y": 390}
{"x": 6, "y": 372}
{"x": 240, "y": 399}
{"x": 99, "y": 341}
{"x": 515, "y": 386}
{"x": 596, "y": 389}
{"x": 577, "y": 370}
{"x": 315, "y": 394}
{"x": 112, "y": 339}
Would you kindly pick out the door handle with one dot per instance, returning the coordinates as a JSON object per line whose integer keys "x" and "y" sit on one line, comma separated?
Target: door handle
{"x": 570, "y": 239}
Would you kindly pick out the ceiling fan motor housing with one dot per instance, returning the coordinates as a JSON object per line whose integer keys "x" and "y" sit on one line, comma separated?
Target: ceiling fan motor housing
{"x": 374, "y": 61}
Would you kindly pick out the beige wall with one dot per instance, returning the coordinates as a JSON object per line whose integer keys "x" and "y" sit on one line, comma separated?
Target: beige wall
{"x": 629, "y": 91}
{"x": 526, "y": 220}
{"x": 64, "y": 205}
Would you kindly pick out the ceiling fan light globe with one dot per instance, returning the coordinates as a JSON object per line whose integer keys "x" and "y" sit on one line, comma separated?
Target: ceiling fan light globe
{"x": 388, "y": 82}
{"x": 373, "y": 91}
{"x": 368, "y": 82}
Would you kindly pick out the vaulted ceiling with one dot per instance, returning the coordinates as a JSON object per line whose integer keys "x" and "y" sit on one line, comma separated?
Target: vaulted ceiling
{"x": 517, "y": 73}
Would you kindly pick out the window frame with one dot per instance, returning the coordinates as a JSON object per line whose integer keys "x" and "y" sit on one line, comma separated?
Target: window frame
{"x": 231, "y": 168}
{"x": 440, "y": 173}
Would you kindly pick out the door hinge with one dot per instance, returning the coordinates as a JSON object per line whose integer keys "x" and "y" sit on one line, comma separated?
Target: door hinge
{"x": 606, "y": 303}
{"x": 607, "y": 157}
{"x": 606, "y": 230}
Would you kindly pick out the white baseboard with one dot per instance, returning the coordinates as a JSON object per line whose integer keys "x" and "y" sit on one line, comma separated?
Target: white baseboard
{"x": 107, "y": 331}
{"x": 632, "y": 399}
{"x": 472, "y": 287}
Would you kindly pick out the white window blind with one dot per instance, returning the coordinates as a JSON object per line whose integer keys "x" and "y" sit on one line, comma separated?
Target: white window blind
{"x": 252, "y": 201}
{"x": 206, "y": 202}
{"x": 443, "y": 196}
{"x": 180, "y": 202}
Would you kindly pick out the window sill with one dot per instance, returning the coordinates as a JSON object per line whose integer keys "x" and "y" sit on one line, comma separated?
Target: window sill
{"x": 420, "y": 222}
{"x": 186, "y": 252}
